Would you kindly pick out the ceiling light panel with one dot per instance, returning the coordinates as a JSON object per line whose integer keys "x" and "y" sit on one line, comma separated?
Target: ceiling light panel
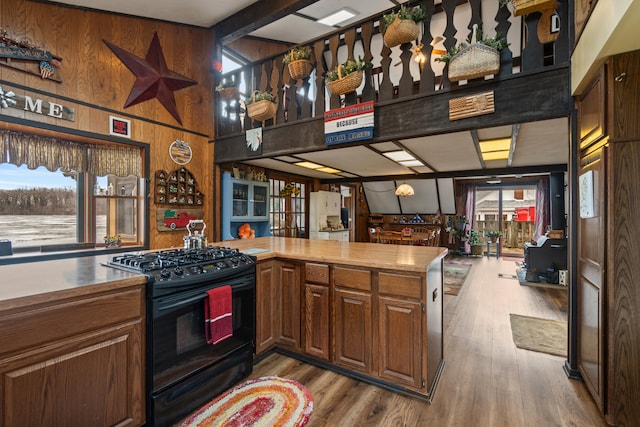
{"x": 337, "y": 17}
{"x": 411, "y": 163}
{"x": 495, "y": 145}
{"x": 328, "y": 170}
{"x": 399, "y": 156}
{"x": 495, "y": 155}
{"x": 308, "y": 165}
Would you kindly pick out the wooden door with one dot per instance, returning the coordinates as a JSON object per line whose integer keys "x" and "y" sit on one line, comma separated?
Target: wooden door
{"x": 316, "y": 320}
{"x": 591, "y": 269}
{"x": 353, "y": 331}
{"x": 400, "y": 352}
{"x": 267, "y": 308}
{"x": 289, "y": 283}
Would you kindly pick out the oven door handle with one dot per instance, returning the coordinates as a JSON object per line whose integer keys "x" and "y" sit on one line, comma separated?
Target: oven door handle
{"x": 181, "y": 302}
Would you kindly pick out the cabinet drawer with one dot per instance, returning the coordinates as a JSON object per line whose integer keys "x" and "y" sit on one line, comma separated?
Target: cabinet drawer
{"x": 401, "y": 285}
{"x": 317, "y": 273}
{"x": 37, "y": 327}
{"x": 352, "y": 278}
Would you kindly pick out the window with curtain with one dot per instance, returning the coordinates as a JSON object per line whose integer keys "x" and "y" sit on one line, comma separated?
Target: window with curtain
{"x": 58, "y": 194}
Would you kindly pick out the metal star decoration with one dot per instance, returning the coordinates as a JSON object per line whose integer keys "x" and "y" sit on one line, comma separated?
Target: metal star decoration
{"x": 153, "y": 77}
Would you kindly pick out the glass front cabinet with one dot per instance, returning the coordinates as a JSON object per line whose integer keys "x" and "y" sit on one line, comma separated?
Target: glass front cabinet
{"x": 243, "y": 202}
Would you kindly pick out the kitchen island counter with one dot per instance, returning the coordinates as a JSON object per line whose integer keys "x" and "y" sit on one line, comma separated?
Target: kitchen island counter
{"x": 371, "y": 255}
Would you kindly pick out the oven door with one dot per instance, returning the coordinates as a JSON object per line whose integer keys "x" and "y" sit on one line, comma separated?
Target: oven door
{"x": 179, "y": 346}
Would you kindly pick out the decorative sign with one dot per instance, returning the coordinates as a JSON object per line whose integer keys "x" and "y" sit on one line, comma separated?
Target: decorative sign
{"x": 254, "y": 141}
{"x": 470, "y": 106}
{"x": 180, "y": 152}
{"x": 353, "y": 123}
{"x": 172, "y": 219}
{"x": 24, "y": 55}
{"x": 119, "y": 127}
{"x": 585, "y": 185}
{"x": 10, "y": 99}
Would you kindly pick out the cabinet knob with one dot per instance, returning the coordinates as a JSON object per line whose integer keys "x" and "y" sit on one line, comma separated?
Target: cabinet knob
{"x": 620, "y": 77}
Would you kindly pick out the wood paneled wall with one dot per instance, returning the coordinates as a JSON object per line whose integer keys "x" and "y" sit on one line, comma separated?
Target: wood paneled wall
{"x": 97, "y": 84}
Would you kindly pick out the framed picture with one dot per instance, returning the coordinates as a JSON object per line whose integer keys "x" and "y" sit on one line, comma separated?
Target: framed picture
{"x": 180, "y": 152}
{"x": 585, "y": 185}
{"x": 119, "y": 127}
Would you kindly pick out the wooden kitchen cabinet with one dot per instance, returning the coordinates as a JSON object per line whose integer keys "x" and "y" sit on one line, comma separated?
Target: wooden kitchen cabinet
{"x": 267, "y": 308}
{"x": 607, "y": 291}
{"x": 400, "y": 317}
{"x": 316, "y": 311}
{"x": 75, "y": 362}
{"x": 353, "y": 329}
{"x": 288, "y": 276}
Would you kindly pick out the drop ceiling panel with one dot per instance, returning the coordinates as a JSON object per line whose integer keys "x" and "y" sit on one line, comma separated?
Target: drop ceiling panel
{"x": 542, "y": 143}
{"x": 448, "y": 152}
{"x": 292, "y": 29}
{"x": 494, "y": 133}
{"x": 358, "y": 160}
{"x": 385, "y": 146}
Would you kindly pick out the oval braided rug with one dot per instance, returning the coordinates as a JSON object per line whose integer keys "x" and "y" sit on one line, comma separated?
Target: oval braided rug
{"x": 265, "y": 401}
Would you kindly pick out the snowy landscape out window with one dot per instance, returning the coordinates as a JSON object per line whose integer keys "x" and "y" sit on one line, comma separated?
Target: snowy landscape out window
{"x": 58, "y": 195}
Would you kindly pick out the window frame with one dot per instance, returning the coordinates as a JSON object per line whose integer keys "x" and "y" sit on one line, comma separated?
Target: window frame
{"x": 84, "y": 196}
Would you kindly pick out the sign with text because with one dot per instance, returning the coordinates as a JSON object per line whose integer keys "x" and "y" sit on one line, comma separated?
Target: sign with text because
{"x": 352, "y": 123}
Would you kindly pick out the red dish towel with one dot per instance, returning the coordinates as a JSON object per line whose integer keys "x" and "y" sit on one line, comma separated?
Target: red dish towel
{"x": 217, "y": 314}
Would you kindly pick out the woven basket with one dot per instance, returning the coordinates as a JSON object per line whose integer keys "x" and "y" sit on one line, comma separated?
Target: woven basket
{"x": 401, "y": 31}
{"x": 300, "y": 69}
{"x": 261, "y": 110}
{"x": 475, "y": 60}
{"x": 522, "y": 7}
{"x": 346, "y": 84}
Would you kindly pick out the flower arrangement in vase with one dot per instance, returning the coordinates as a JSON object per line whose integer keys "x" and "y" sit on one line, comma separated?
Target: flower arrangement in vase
{"x": 289, "y": 190}
{"x": 298, "y": 60}
{"x": 112, "y": 241}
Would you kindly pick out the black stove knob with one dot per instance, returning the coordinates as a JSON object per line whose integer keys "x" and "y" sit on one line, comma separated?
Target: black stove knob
{"x": 165, "y": 274}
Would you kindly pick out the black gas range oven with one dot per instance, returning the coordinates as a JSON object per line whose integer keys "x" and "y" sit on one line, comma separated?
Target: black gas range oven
{"x": 183, "y": 371}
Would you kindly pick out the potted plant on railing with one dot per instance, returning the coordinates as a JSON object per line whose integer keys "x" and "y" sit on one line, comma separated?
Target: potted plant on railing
{"x": 478, "y": 57}
{"x": 227, "y": 90}
{"x": 493, "y": 235}
{"x": 402, "y": 27}
{"x": 261, "y": 106}
{"x": 347, "y": 77}
{"x": 298, "y": 60}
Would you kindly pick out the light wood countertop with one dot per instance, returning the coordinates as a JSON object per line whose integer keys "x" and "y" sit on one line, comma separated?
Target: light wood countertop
{"x": 373, "y": 255}
{"x": 34, "y": 283}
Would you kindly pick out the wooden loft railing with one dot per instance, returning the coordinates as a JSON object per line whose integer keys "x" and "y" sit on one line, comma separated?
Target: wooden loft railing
{"x": 395, "y": 76}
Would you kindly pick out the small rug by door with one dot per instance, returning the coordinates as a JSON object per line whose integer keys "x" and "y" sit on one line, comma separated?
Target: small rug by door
{"x": 542, "y": 335}
{"x": 455, "y": 273}
{"x": 265, "y": 401}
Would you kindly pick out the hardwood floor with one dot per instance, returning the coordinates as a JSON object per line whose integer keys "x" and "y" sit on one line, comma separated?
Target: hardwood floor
{"x": 487, "y": 381}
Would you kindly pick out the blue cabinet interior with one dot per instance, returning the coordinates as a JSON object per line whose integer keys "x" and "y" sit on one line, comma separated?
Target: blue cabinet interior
{"x": 244, "y": 201}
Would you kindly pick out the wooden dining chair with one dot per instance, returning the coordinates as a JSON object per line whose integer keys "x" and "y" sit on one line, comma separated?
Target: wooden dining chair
{"x": 390, "y": 237}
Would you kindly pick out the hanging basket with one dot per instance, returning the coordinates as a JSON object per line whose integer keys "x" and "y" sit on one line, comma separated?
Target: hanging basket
{"x": 300, "y": 69}
{"x": 261, "y": 110}
{"x": 475, "y": 60}
{"x": 523, "y": 7}
{"x": 401, "y": 31}
{"x": 346, "y": 84}
{"x": 228, "y": 93}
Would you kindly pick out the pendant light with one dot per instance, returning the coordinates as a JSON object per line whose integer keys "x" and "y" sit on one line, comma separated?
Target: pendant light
{"x": 404, "y": 190}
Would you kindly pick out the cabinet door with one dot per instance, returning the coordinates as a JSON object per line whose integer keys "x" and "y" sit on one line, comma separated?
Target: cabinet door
{"x": 333, "y": 204}
{"x": 590, "y": 281}
{"x": 267, "y": 309}
{"x": 96, "y": 381}
{"x": 400, "y": 341}
{"x": 316, "y": 320}
{"x": 289, "y": 282}
{"x": 260, "y": 201}
{"x": 353, "y": 331}
{"x": 240, "y": 194}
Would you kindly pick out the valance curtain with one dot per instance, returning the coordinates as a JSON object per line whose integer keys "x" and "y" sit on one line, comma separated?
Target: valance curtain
{"x": 34, "y": 151}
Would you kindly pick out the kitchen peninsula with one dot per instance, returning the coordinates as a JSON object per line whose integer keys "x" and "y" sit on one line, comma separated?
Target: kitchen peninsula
{"x": 367, "y": 310}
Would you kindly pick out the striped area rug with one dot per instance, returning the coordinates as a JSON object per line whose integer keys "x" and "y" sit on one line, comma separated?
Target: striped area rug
{"x": 265, "y": 401}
